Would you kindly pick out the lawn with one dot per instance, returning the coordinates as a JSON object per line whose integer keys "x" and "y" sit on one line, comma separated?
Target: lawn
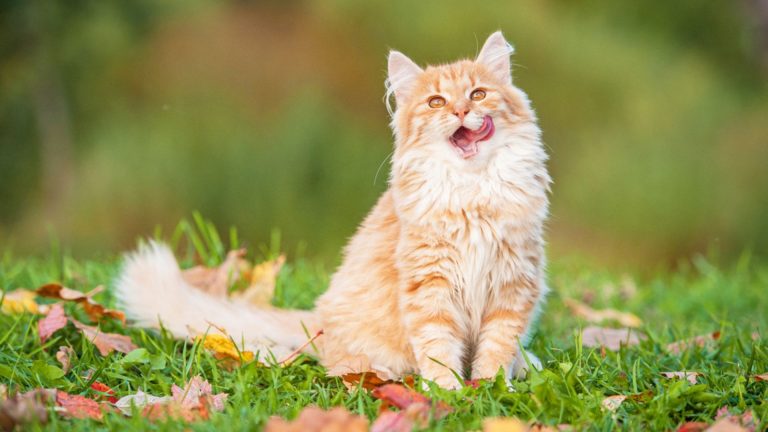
{"x": 698, "y": 298}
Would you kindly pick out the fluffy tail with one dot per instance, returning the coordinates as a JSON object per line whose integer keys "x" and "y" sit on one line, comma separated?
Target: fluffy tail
{"x": 151, "y": 290}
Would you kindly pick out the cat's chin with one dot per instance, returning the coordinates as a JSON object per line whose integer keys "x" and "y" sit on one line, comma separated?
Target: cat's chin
{"x": 465, "y": 140}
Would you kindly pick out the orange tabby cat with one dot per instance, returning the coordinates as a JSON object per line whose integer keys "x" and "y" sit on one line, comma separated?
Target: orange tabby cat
{"x": 447, "y": 271}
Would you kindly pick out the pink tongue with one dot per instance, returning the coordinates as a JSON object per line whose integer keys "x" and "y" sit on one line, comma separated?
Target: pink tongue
{"x": 465, "y": 137}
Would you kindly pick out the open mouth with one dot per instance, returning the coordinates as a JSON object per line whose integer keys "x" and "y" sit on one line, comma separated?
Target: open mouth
{"x": 465, "y": 140}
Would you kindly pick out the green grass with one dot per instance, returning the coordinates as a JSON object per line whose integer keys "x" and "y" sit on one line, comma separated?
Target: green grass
{"x": 698, "y": 298}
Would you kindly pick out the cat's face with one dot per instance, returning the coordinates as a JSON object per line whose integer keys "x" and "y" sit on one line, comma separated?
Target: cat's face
{"x": 454, "y": 111}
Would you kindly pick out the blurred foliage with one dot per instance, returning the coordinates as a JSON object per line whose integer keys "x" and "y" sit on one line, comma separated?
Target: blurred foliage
{"x": 116, "y": 117}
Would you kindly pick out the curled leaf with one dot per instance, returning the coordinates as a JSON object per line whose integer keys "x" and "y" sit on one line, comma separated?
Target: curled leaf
{"x": 216, "y": 281}
{"x": 139, "y": 400}
{"x": 106, "y": 392}
{"x": 357, "y": 369}
{"x": 64, "y": 355}
{"x": 94, "y": 310}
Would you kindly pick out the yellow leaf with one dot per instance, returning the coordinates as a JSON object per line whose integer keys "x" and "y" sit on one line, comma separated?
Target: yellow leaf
{"x": 223, "y": 347}
{"x": 18, "y": 301}
{"x": 262, "y": 283}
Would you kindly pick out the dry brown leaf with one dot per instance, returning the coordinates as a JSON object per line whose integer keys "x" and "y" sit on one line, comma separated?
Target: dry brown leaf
{"x": 261, "y": 286}
{"x": 94, "y": 310}
{"x": 690, "y": 376}
{"x": 699, "y": 341}
{"x": 597, "y": 316}
{"x": 19, "y": 301}
{"x": 314, "y": 419}
{"x": 78, "y": 407}
{"x": 761, "y": 377}
{"x": 24, "y": 408}
{"x": 65, "y": 355}
{"x": 415, "y": 406}
{"x": 217, "y": 280}
{"x": 613, "y": 339}
{"x": 357, "y": 369}
{"x": 53, "y": 321}
{"x": 174, "y": 411}
{"x": 105, "y": 342}
{"x": 612, "y": 403}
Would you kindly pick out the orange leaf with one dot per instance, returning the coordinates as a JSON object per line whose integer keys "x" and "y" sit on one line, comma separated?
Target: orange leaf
{"x": 105, "y": 342}
{"x": 693, "y": 427}
{"x": 357, "y": 369}
{"x": 109, "y": 394}
{"x": 509, "y": 424}
{"x": 79, "y": 407}
{"x": 54, "y": 320}
{"x": 403, "y": 397}
{"x": 761, "y": 377}
{"x": 94, "y": 310}
{"x": 314, "y": 419}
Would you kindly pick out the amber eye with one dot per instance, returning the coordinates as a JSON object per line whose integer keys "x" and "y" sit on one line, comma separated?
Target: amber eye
{"x": 477, "y": 95}
{"x": 436, "y": 102}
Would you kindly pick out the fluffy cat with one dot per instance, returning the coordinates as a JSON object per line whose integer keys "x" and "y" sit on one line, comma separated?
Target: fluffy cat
{"x": 446, "y": 273}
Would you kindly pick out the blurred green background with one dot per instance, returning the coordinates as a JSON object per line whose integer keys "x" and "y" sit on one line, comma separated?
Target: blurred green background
{"x": 117, "y": 117}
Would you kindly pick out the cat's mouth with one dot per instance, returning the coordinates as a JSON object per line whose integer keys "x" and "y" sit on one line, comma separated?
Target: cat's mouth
{"x": 465, "y": 140}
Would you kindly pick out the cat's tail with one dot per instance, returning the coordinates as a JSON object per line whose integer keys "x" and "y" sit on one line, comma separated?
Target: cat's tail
{"x": 152, "y": 291}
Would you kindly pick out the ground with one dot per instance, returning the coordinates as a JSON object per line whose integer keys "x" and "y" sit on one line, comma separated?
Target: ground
{"x": 698, "y": 298}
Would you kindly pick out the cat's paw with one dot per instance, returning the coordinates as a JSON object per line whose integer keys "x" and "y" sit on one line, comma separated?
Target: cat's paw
{"x": 519, "y": 367}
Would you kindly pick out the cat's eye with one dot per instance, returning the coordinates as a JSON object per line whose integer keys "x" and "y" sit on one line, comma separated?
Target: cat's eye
{"x": 477, "y": 95}
{"x": 436, "y": 102}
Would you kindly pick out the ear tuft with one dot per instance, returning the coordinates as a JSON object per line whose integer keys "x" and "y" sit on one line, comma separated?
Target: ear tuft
{"x": 402, "y": 73}
{"x": 495, "y": 56}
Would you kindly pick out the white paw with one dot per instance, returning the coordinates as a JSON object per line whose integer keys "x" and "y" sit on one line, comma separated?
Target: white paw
{"x": 519, "y": 367}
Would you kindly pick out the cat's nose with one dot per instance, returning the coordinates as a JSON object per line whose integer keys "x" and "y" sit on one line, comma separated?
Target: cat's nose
{"x": 460, "y": 112}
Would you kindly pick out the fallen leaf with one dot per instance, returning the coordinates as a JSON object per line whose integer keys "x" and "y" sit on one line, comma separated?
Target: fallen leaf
{"x": 194, "y": 390}
{"x": 174, "y": 411}
{"x": 356, "y": 369}
{"x": 599, "y": 315}
{"x": 24, "y": 408}
{"x": 725, "y": 421}
{"x": 314, "y": 419}
{"x": 612, "y": 403}
{"x": 416, "y": 415}
{"x": 403, "y": 397}
{"x": 224, "y": 348}
{"x": 612, "y": 339}
{"x": 261, "y": 287}
{"x": 698, "y": 341}
{"x": 761, "y": 377}
{"x": 19, "y": 301}
{"x": 690, "y": 376}
{"x": 54, "y": 320}
{"x": 78, "y": 407}
{"x": 106, "y": 392}
{"x": 139, "y": 400}
{"x": 94, "y": 310}
{"x": 217, "y": 280}
{"x": 693, "y": 427}
{"x": 504, "y": 424}
{"x": 105, "y": 342}
{"x": 64, "y": 355}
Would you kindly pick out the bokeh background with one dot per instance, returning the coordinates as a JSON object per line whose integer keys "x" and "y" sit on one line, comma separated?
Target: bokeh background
{"x": 118, "y": 117}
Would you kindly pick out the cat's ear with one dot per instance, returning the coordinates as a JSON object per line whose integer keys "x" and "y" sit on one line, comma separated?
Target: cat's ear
{"x": 402, "y": 73}
{"x": 495, "y": 56}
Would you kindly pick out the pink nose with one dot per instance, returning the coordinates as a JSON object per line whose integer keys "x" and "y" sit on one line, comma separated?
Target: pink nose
{"x": 460, "y": 113}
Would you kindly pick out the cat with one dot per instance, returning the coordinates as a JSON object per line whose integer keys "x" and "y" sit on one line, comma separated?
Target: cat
{"x": 446, "y": 274}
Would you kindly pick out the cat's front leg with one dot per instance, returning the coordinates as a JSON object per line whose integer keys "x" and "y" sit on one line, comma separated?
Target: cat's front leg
{"x": 431, "y": 320}
{"x": 503, "y": 325}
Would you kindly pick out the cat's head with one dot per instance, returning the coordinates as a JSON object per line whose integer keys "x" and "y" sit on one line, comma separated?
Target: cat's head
{"x": 457, "y": 111}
